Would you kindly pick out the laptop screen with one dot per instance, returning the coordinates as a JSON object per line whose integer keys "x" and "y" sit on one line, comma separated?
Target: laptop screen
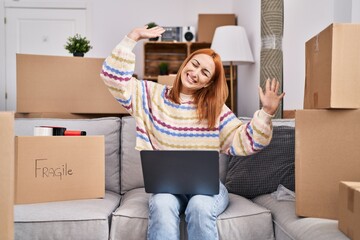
{"x": 181, "y": 171}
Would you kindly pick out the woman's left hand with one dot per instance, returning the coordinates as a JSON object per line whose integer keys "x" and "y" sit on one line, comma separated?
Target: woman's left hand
{"x": 269, "y": 98}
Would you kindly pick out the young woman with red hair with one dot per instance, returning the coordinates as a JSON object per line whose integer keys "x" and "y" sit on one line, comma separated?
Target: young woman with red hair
{"x": 191, "y": 114}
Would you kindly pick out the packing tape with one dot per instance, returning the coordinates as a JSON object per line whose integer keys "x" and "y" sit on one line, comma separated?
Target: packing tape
{"x": 43, "y": 131}
{"x": 271, "y": 42}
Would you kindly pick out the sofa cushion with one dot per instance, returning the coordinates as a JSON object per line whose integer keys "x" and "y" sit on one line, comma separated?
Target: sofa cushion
{"x": 223, "y": 166}
{"x": 108, "y": 126}
{"x": 131, "y": 172}
{"x": 261, "y": 173}
{"x": 80, "y": 219}
{"x": 289, "y": 226}
{"x": 241, "y": 220}
{"x": 133, "y": 211}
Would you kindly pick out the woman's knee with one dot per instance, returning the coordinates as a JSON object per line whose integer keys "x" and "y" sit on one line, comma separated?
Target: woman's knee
{"x": 201, "y": 205}
{"x": 208, "y": 206}
{"x": 165, "y": 203}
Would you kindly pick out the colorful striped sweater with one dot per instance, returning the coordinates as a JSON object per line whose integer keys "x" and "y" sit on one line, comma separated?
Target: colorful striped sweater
{"x": 162, "y": 124}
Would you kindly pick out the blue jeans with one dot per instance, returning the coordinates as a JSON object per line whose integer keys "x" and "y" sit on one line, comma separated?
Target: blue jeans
{"x": 201, "y": 212}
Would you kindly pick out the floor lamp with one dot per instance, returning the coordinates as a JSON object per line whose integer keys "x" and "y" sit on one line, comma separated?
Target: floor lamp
{"x": 232, "y": 44}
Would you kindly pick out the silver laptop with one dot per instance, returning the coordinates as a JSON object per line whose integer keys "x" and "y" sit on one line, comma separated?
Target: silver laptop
{"x": 180, "y": 171}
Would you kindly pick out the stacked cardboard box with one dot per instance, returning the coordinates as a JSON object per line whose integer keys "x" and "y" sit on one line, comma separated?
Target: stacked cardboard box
{"x": 207, "y": 24}
{"x": 56, "y": 84}
{"x": 326, "y": 152}
{"x": 349, "y": 209}
{"x": 6, "y": 175}
{"x": 332, "y": 68}
{"x": 327, "y": 131}
{"x": 57, "y": 168}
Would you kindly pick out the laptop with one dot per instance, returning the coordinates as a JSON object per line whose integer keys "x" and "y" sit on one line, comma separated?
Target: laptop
{"x": 180, "y": 171}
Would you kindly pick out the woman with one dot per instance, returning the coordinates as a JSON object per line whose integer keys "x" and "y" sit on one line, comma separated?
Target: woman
{"x": 189, "y": 115}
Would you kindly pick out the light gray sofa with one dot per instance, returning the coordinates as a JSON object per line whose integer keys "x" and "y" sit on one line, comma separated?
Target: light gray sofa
{"x": 122, "y": 213}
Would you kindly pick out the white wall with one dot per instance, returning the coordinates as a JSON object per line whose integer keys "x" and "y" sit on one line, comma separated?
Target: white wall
{"x": 356, "y": 11}
{"x": 248, "y": 13}
{"x": 342, "y": 10}
{"x": 2, "y": 58}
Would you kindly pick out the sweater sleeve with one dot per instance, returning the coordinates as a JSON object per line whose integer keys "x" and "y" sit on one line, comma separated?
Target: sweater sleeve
{"x": 241, "y": 139}
{"x": 117, "y": 72}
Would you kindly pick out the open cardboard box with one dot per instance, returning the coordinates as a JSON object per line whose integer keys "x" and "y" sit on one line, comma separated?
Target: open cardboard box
{"x": 58, "y": 168}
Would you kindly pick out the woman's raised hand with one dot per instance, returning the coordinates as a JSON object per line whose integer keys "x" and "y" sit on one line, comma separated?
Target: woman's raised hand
{"x": 144, "y": 33}
{"x": 270, "y": 99}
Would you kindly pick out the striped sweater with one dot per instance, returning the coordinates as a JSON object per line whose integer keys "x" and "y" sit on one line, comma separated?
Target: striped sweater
{"x": 162, "y": 124}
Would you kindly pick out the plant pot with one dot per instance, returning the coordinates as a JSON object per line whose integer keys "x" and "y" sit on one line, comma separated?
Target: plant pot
{"x": 163, "y": 69}
{"x": 78, "y": 54}
{"x": 154, "y": 39}
{"x": 164, "y": 72}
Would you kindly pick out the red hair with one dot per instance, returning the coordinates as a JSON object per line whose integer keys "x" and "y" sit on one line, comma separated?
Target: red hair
{"x": 209, "y": 100}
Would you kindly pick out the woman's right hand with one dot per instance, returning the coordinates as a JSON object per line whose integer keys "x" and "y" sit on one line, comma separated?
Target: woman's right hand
{"x": 144, "y": 33}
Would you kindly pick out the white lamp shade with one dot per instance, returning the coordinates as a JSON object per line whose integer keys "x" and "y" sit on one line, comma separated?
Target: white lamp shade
{"x": 231, "y": 43}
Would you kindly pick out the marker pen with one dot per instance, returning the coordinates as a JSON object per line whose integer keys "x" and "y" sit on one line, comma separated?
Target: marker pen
{"x": 74, "y": 133}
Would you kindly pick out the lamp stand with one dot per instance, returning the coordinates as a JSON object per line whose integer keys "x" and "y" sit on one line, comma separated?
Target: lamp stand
{"x": 231, "y": 87}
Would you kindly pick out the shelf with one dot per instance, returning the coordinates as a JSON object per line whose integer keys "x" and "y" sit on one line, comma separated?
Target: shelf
{"x": 198, "y": 45}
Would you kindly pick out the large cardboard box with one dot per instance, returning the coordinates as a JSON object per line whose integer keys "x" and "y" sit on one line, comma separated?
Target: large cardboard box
{"x": 349, "y": 209}
{"x": 6, "y": 175}
{"x": 58, "y": 168}
{"x": 62, "y": 84}
{"x": 332, "y": 68}
{"x": 207, "y": 23}
{"x": 326, "y": 152}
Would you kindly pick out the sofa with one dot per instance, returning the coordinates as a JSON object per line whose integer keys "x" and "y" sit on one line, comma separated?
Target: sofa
{"x": 264, "y": 214}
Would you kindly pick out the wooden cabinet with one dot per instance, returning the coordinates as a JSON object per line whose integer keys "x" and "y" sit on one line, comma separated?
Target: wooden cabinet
{"x": 156, "y": 53}
{"x": 173, "y": 54}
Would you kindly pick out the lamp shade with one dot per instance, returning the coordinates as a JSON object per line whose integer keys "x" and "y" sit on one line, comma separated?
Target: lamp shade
{"x": 231, "y": 43}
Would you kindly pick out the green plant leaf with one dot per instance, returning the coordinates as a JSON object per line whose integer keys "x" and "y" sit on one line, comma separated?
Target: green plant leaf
{"x": 77, "y": 44}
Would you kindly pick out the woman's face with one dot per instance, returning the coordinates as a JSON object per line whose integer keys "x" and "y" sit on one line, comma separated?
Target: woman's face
{"x": 197, "y": 73}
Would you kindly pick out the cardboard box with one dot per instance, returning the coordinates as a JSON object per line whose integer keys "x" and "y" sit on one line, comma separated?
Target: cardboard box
{"x": 207, "y": 23}
{"x": 6, "y": 175}
{"x": 349, "y": 209}
{"x": 59, "y": 168}
{"x": 167, "y": 79}
{"x": 332, "y": 68}
{"x": 62, "y": 84}
{"x": 326, "y": 152}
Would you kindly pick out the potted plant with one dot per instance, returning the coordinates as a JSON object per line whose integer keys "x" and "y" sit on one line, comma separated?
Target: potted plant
{"x": 151, "y": 25}
{"x": 163, "y": 68}
{"x": 78, "y": 45}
